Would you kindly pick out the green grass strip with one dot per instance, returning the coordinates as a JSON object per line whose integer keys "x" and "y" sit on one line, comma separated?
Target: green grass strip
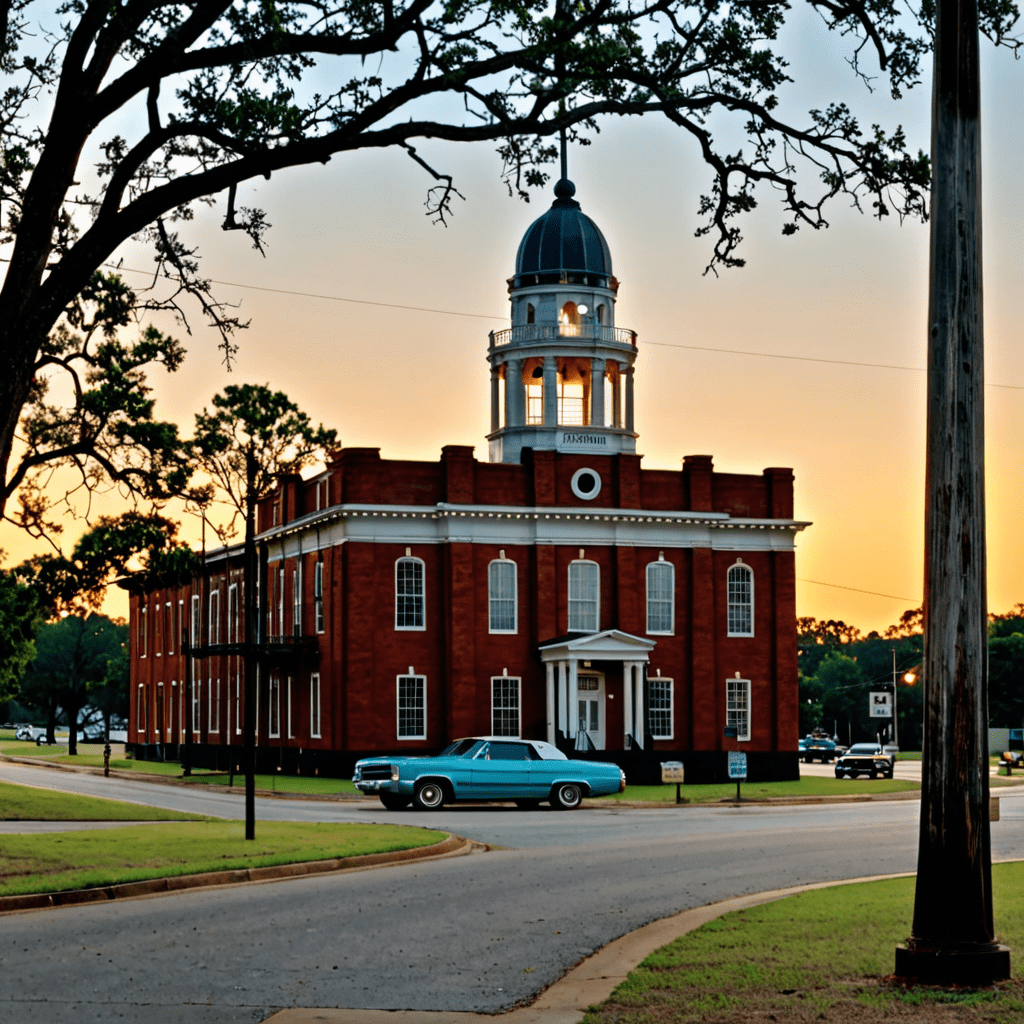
{"x": 78, "y": 860}
{"x": 817, "y": 955}
{"x": 28, "y": 803}
{"x": 811, "y": 785}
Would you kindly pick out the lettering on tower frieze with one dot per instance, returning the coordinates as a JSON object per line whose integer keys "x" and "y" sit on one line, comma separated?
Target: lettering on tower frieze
{"x": 568, "y": 438}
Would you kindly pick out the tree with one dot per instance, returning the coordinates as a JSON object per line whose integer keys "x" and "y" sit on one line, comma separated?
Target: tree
{"x": 211, "y": 95}
{"x": 20, "y": 618}
{"x": 72, "y": 654}
{"x": 253, "y": 437}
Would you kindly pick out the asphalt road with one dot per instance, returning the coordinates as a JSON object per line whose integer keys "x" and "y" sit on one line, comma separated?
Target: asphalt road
{"x": 472, "y": 933}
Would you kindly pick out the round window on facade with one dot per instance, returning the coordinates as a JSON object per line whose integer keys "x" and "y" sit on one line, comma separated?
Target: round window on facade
{"x": 586, "y": 484}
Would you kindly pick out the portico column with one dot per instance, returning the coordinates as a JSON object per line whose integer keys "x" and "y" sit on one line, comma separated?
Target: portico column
{"x": 550, "y": 701}
{"x": 563, "y": 687}
{"x": 550, "y": 391}
{"x": 636, "y": 699}
{"x": 597, "y": 392}
{"x": 495, "y": 392}
{"x": 574, "y": 702}
{"x": 629, "y": 398}
{"x": 627, "y": 700}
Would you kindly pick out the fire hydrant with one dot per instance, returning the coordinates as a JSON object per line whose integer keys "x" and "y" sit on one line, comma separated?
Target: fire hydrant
{"x": 106, "y": 759}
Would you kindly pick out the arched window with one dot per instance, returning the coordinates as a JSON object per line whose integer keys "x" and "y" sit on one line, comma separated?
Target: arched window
{"x": 502, "y": 596}
{"x": 409, "y": 604}
{"x": 741, "y": 600}
{"x": 661, "y": 578}
{"x": 602, "y": 314}
{"x": 584, "y": 597}
{"x": 531, "y": 313}
{"x": 569, "y": 320}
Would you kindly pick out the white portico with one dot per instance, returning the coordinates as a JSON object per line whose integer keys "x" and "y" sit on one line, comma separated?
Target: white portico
{"x": 562, "y": 375}
{"x": 577, "y": 693}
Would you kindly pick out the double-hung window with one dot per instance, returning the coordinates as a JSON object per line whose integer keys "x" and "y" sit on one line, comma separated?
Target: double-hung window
{"x": 659, "y": 692}
{"x": 660, "y": 597}
{"x": 318, "y": 597}
{"x": 143, "y": 631}
{"x": 213, "y": 712}
{"x": 280, "y": 603}
{"x": 740, "y": 585}
{"x": 314, "y": 705}
{"x": 505, "y": 719}
{"x": 274, "y": 711}
{"x": 233, "y": 633}
{"x": 197, "y": 706}
{"x": 409, "y": 594}
{"x": 412, "y": 707}
{"x": 584, "y": 596}
{"x": 737, "y": 707}
{"x": 297, "y": 601}
{"x": 215, "y": 616}
{"x": 501, "y": 598}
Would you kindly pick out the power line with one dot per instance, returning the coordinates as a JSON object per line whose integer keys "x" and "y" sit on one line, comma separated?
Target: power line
{"x": 856, "y": 590}
{"x": 808, "y": 359}
{"x": 484, "y": 316}
{"x": 328, "y": 298}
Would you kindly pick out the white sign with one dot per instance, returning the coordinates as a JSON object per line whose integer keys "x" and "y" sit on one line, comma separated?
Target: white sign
{"x": 880, "y": 704}
{"x": 672, "y": 771}
{"x": 737, "y": 764}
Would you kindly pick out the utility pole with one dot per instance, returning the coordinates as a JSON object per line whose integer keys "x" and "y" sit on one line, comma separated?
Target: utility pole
{"x": 953, "y": 940}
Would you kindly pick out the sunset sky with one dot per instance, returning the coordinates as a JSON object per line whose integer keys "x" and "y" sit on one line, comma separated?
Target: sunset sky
{"x": 754, "y": 367}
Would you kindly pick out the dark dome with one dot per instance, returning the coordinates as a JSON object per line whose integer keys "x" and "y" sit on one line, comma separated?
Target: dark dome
{"x": 563, "y": 240}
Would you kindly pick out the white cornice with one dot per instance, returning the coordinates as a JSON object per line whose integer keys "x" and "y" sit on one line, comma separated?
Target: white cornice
{"x": 517, "y": 525}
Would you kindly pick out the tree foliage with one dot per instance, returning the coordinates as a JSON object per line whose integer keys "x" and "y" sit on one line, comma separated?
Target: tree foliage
{"x": 20, "y": 618}
{"x": 119, "y": 120}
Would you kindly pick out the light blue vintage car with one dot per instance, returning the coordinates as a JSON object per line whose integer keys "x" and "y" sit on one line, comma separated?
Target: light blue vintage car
{"x": 487, "y": 768}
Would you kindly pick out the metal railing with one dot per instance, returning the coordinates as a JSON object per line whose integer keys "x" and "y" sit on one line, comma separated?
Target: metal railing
{"x": 526, "y": 334}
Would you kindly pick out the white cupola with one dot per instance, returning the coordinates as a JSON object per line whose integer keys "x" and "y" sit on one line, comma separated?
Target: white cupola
{"x": 562, "y": 375}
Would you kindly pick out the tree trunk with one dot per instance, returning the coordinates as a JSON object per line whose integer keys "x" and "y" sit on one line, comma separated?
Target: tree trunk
{"x": 953, "y": 939}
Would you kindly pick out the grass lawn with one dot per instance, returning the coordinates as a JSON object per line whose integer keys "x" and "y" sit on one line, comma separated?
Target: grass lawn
{"x": 76, "y": 860}
{"x": 27, "y": 803}
{"x": 808, "y": 786}
{"x": 280, "y": 783}
{"x": 818, "y": 956}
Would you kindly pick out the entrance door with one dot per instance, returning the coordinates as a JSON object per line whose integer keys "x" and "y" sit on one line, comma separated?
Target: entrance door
{"x": 591, "y": 709}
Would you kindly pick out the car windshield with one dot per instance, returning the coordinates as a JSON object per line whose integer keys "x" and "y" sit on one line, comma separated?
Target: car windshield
{"x": 460, "y": 748}
{"x": 865, "y": 748}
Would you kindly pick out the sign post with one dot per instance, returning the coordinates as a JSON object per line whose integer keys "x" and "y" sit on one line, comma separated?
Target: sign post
{"x": 672, "y": 771}
{"x": 737, "y": 760}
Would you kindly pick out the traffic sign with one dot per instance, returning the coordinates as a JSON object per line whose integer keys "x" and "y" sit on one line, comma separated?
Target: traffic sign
{"x": 737, "y": 764}
{"x": 880, "y": 704}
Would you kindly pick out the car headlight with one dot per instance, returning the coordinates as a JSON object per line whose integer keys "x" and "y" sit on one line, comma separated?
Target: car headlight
{"x": 394, "y": 773}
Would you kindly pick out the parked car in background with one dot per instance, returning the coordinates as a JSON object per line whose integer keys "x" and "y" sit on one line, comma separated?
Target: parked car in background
{"x": 25, "y": 732}
{"x": 527, "y": 772}
{"x": 865, "y": 759}
{"x": 818, "y": 747}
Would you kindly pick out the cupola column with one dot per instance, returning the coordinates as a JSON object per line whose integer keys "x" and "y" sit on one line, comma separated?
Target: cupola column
{"x": 629, "y": 398}
{"x": 495, "y": 393}
{"x": 597, "y": 392}
{"x": 514, "y": 403}
{"x": 550, "y": 392}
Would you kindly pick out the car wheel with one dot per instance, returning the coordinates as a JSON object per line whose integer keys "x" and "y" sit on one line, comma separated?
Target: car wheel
{"x": 395, "y": 801}
{"x": 872, "y": 775}
{"x": 808, "y": 760}
{"x": 888, "y": 774}
{"x": 429, "y": 796}
{"x": 854, "y": 775}
{"x": 567, "y": 796}
{"x": 528, "y": 805}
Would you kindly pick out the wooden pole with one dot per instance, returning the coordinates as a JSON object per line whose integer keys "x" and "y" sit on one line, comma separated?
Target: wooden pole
{"x": 953, "y": 940}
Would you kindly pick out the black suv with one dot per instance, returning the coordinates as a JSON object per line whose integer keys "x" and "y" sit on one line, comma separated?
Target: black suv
{"x": 865, "y": 759}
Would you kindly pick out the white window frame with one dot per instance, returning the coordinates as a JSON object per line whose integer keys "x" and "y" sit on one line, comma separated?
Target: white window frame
{"x": 503, "y": 703}
{"x": 737, "y": 691}
{"x": 274, "y": 708}
{"x": 196, "y": 625}
{"x": 280, "y": 602}
{"x": 422, "y": 596}
{"x": 214, "y": 615}
{"x": 402, "y": 705}
{"x": 140, "y": 711}
{"x": 740, "y": 605}
{"x": 233, "y": 613}
{"x": 318, "y": 597}
{"x": 578, "y": 605}
{"x": 197, "y": 706}
{"x": 181, "y": 619}
{"x": 669, "y": 684}
{"x": 169, "y": 627}
{"x": 213, "y": 711}
{"x": 653, "y": 569}
{"x": 288, "y": 710}
{"x": 238, "y": 702}
{"x": 297, "y": 600}
{"x": 143, "y": 630}
{"x": 314, "y": 706}
{"x": 496, "y": 566}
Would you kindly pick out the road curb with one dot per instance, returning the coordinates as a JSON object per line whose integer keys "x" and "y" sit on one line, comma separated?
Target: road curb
{"x": 453, "y": 846}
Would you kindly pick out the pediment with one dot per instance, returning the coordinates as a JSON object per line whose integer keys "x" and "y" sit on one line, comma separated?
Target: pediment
{"x": 608, "y": 645}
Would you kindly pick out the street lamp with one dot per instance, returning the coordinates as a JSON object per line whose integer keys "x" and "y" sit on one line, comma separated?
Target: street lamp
{"x": 908, "y": 677}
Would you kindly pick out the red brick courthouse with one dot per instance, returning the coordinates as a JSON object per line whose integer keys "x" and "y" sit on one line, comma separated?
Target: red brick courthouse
{"x": 558, "y": 591}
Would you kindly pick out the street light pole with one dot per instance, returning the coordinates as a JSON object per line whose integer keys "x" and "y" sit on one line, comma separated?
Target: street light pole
{"x": 895, "y": 720}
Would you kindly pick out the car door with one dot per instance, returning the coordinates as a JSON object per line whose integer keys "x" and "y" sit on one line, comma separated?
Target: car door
{"x": 500, "y": 771}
